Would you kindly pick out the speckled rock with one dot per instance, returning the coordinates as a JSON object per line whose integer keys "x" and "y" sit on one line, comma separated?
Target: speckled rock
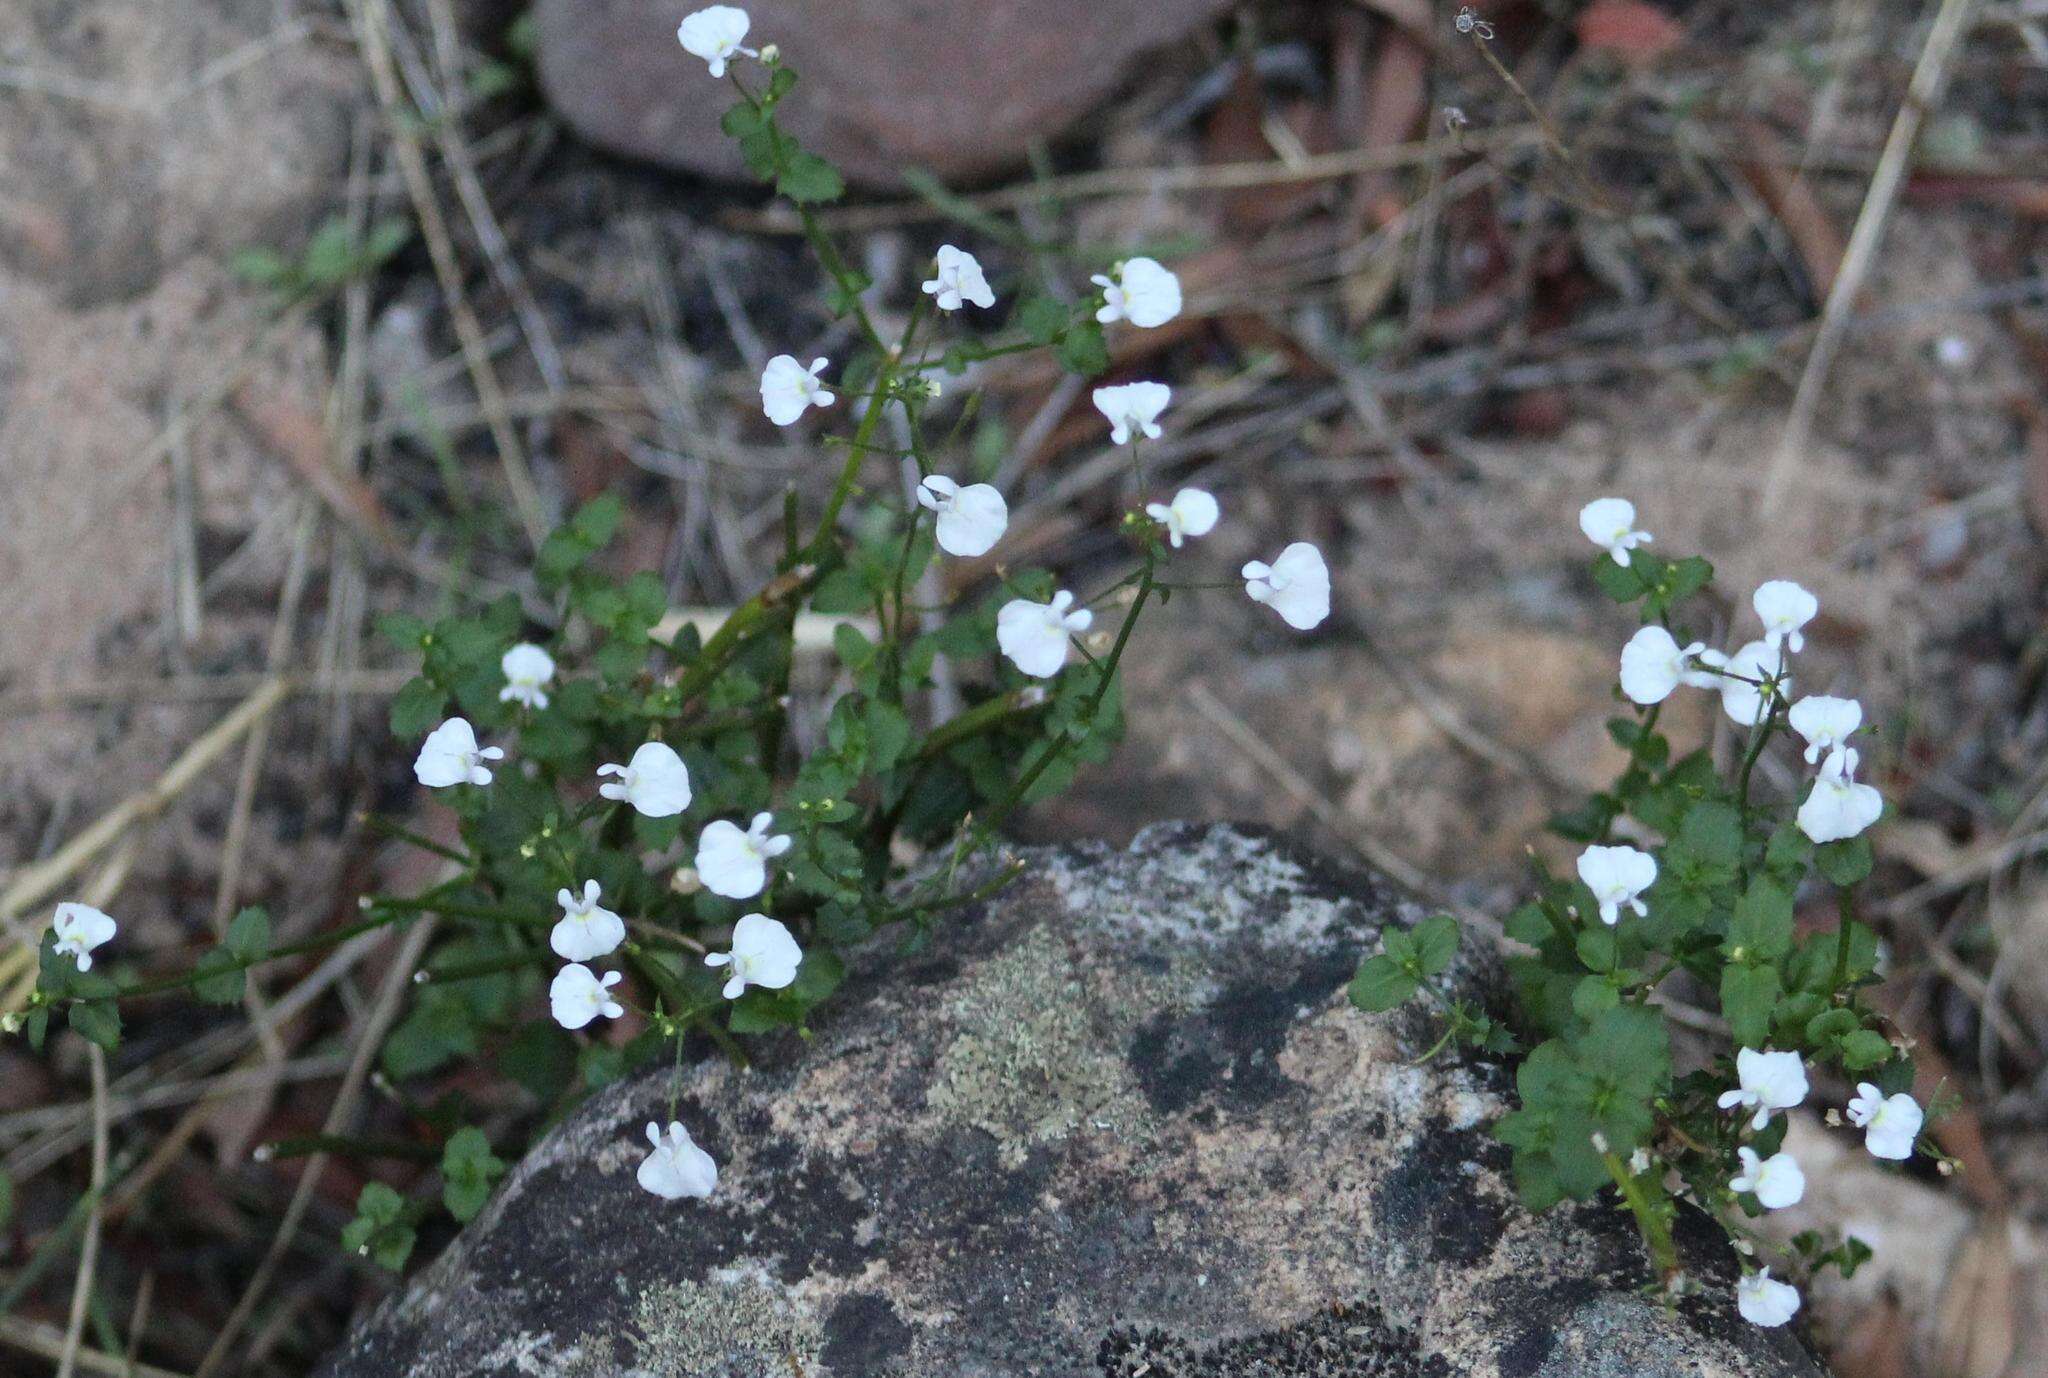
{"x": 1122, "y": 1120}
{"x": 957, "y": 87}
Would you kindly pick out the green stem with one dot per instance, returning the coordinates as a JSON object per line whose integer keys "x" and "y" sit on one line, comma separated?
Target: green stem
{"x": 377, "y": 823}
{"x": 1845, "y": 902}
{"x": 1001, "y": 813}
{"x": 1648, "y": 1204}
{"x": 305, "y": 1145}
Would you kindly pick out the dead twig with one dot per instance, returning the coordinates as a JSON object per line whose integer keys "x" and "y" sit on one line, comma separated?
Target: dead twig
{"x": 372, "y": 20}
{"x": 89, "y": 1250}
{"x": 1306, "y": 794}
{"x": 1923, "y": 93}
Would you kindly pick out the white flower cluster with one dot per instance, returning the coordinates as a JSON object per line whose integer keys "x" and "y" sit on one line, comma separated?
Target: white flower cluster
{"x": 1750, "y": 681}
{"x": 1767, "y": 1082}
{"x": 730, "y": 861}
{"x": 969, "y": 519}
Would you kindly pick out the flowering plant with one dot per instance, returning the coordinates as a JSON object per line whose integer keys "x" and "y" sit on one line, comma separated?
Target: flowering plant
{"x": 640, "y": 835}
{"x": 1689, "y": 873}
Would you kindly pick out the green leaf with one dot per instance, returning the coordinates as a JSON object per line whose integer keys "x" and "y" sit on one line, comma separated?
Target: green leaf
{"x": 218, "y": 978}
{"x": 1622, "y": 583}
{"x": 1846, "y": 862}
{"x": 808, "y": 179}
{"x": 1528, "y": 924}
{"x": 852, "y": 646}
{"x": 1864, "y": 1049}
{"x": 99, "y": 1021}
{"x": 1761, "y": 929}
{"x": 1788, "y": 851}
{"x": 1596, "y": 948}
{"x": 1712, "y": 834}
{"x": 1381, "y": 984}
{"x": 416, "y": 710}
{"x": 380, "y": 1228}
{"x": 1748, "y": 995}
{"x": 1593, "y": 996}
{"x": 1436, "y": 943}
{"x": 1042, "y": 318}
{"x": 1082, "y": 350}
{"x": 468, "y": 1168}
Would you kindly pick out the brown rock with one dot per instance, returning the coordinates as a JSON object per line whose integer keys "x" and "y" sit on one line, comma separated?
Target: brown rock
{"x": 961, "y": 89}
{"x": 1120, "y": 1120}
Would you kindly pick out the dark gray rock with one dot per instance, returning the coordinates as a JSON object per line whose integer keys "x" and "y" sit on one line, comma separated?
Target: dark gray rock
{"x": 1122, "y": 1120}
{"x": 960, "y": 87}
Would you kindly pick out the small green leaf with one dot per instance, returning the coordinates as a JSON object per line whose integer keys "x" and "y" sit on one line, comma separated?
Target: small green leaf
{"x": 1083, "y": 351}
{"x": 1593, "y": 996}
{"x": 1381, "y": 984}
{"x": 468, "y": 1168}
{"x": 380, "y": 1229}
{"x": 1748, "y": 995}
{"x": 416, "y": 710}
{"x": 1761, "y": 929}
{"x": 1846, "y": 862}
{"x": 1864, "y": 1049}
{"x": 1596, "y": 948}
{"x": 99, "y": 1021}
{"x": 808, "y": 179}
{"x": 1622, "y": 583}
{"x": 1436, "y": 943}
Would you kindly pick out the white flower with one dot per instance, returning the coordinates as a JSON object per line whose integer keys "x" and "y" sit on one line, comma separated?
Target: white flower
{"x": 1776, "y": 1180}
{"x": 1617, "y": 876}
{"x": 1784, "y": 608}
{"x": 578, "y": 996}
{"x": 1133, "y": 407}
{"x": 528, "y": 672}
{"x": 1034, "y": 635}
{"x": 714, "y": 34}
{"x": 677, "y": 1167}
{"x": 586, "y": 929}
{"x": 1770, "y": 1081}
{"x": 763, "y": 954}
{"x": 1891, "y": 1124}
{"x": 1653, "y": 664}
{"x": 655, "y": 781}
{"x": 450, "y": 756}
{"x": 1765, "y": 1301}
{"x": 1610, "y": 524}
{"x": 1837, "y": 806}
{"x": 1296, "y": 585}
{"x": 1140, "y": 291}
{"x": 735, "y": 863}
{"x": 1743, "y": 700}
{"x": 971, "y": 519}
{"x": 788, "y": 389}
{"x": 80, "y": 928}
{"x": 1191, "y": 513}
{"x": 959, "y": 279}
{"x": 1825, "y": 722}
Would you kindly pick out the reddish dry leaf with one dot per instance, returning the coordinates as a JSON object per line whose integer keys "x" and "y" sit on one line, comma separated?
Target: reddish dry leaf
{"x": 1791, "y": 199}
{"x": 296, "y": 433}
{"x": 1397, "y": 101}
{"x": 1632, "y": 30}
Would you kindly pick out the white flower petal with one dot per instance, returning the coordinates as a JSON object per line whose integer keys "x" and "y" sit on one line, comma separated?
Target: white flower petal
{"x": 714, "y": 34}
{"x": 676, "y": 1168}
{"x": 655, "y": 782}
{"x": 788, "y": 389}
{"x": 1617, "y": 876}
{"x": 1784, "y": 607}
{"x": 80, "y": 928}
{"x": 1035, "y": 635}
{"x": 1141, "y": 291}
{"x": 1610, "y": 524}
{"x": 764, "y": 953}
{"x": 1764, "y": 1301}
{"x": 1132, "y": 407}
{"x": 1296, "y": 585}
{"x": 970, "y": 519}
{"x": 959, "y": 279}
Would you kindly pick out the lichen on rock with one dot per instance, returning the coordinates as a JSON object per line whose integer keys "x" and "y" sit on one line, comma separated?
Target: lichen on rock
{"x": 1121, "y": 1114}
